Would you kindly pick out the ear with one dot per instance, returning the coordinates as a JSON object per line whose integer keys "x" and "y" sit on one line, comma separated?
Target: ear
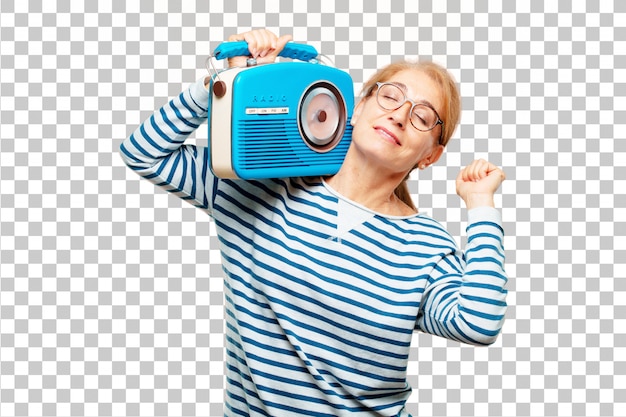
{"x": 432, "y": 158}
{"x": 437, "y": 152}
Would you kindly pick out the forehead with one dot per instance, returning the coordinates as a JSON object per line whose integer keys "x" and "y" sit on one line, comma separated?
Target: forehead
{"x": 418, "y": 86}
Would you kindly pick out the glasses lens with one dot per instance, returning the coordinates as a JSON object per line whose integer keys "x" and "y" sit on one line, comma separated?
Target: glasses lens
{"x": 390, "y": 97}
{"x": 423, "y": 117}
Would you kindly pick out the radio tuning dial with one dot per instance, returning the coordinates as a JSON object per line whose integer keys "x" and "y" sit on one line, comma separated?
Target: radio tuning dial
{"x": 322, "y": 116}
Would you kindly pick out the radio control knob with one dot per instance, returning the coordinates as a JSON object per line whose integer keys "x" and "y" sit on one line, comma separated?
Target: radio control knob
{"x": 219, "y": 88}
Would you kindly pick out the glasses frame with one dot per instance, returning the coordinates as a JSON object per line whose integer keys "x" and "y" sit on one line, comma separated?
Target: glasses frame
{"x": 379, "y": 85}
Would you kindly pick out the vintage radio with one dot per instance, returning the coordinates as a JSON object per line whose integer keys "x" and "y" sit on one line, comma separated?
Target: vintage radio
{"x": 284, "y": 119}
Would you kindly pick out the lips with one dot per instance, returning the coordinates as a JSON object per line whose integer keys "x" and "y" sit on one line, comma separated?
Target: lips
{"x": 387, "y": 135}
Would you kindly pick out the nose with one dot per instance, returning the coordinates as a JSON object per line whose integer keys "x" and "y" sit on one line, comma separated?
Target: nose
{"x": 401, "y": 116}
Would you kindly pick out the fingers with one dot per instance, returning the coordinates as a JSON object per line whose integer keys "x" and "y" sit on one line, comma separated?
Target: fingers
{"x": 477, "y": 170}
{"x": 282, "y": 41}
{"x": 481, "y": 176}
{"x": 477, "y": 183}
{"x": 261, "y": 42}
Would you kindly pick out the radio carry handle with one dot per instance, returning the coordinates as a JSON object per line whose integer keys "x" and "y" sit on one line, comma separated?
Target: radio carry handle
{"x": 300, "y": 51}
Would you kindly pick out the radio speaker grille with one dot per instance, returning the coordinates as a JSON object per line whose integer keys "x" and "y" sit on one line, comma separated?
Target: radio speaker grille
{"x": 278, "y": 144}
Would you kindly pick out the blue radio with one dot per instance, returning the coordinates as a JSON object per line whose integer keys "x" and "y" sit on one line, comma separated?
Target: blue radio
{"x": 283, "y": 119}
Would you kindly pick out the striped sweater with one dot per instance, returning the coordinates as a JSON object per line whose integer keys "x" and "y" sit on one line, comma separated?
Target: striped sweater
{"x": 322, "y": 295}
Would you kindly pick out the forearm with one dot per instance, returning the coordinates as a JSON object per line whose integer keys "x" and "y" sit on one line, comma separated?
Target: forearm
{"x": 156, "y": 149}
{"x": 166, "y": 130}
{"x": 474, "y": 201}
{"x": 469, "y": 304}
{"x": 482, "y": 299}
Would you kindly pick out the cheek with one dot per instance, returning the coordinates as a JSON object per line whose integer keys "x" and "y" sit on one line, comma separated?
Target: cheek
{"x": 358, "y": 111}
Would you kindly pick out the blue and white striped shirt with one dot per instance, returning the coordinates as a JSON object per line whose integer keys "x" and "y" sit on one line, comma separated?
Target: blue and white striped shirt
{"x": 323, "y": 295}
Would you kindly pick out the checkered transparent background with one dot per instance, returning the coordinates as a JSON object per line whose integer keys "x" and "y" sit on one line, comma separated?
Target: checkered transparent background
{"x": 111, "y": 290}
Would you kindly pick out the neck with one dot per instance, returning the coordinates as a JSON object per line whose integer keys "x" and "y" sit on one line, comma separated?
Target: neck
{"x": 372, "y": 188}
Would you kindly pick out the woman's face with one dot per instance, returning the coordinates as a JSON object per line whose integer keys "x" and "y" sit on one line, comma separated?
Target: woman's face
{"x": 387, "y": 139}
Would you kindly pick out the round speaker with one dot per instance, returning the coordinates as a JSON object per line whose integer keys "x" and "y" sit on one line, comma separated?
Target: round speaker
{"x": 322, "y": 116}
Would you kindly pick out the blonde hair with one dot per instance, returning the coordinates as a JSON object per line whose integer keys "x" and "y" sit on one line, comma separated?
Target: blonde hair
{"x": 450, "y": 112}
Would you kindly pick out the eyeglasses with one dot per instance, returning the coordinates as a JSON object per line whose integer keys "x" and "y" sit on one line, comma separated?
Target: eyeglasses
{"x": 423, "y": 117}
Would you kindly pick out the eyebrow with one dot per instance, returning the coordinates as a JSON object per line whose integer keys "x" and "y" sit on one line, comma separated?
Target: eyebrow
{"x": 422, "y": 101}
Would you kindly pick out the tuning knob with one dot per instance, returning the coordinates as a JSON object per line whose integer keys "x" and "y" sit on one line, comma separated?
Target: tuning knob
{"x": 322, "y": 116}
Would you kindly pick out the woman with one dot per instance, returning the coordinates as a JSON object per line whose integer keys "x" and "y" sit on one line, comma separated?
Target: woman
{"x": 326, "y": 279}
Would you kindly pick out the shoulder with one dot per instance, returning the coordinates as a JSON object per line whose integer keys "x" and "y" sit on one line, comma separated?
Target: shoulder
{"x": 304, "y": 190}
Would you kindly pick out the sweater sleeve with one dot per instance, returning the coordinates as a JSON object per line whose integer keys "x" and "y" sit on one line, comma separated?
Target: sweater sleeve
{"x": 156, "y": 149}
{"x": 466, "y": 301}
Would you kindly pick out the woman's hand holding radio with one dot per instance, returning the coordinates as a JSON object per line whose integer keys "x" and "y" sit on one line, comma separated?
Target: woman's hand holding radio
{"x": 262, "y": 44}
